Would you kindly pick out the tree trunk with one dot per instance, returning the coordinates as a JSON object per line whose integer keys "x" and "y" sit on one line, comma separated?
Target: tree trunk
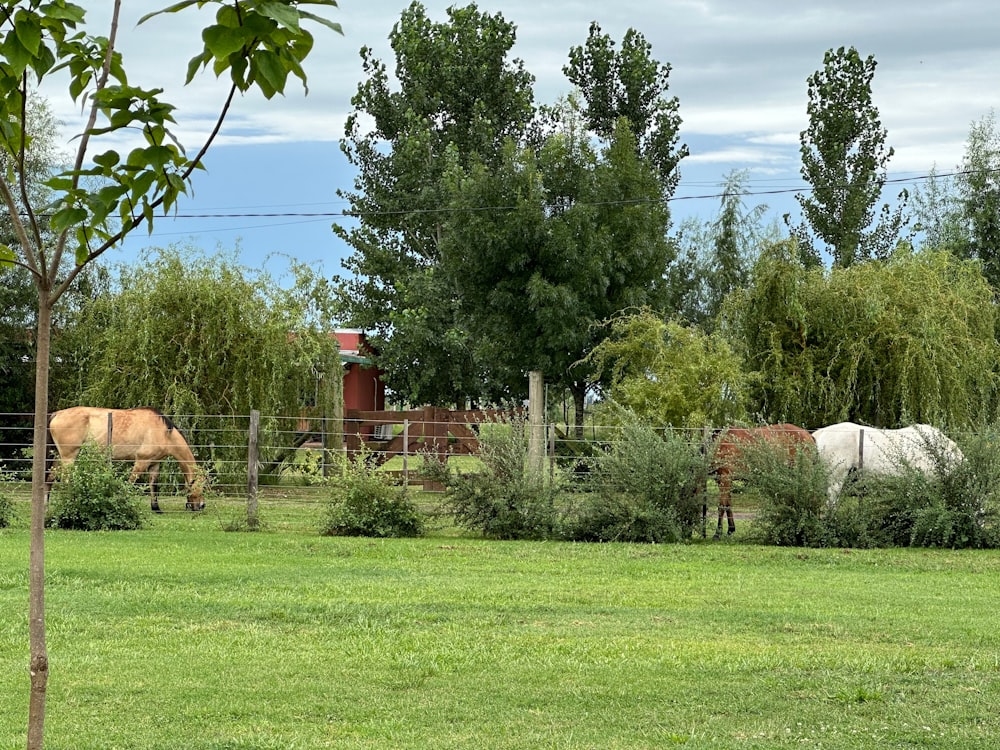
{"x": 579, "y": 391}
{"x": 39, "y": 665}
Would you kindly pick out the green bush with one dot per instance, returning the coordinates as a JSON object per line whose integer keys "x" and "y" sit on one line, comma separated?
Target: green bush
{"x": 790, "y": 493}
{"x": 365, "y": 502}
{"x": 647, "y": 488}
{"x": 6, "y": 509}
{"x": 94, "y": 495}
{"x": 953, "y": 507}
{"x": 505, "y": 500}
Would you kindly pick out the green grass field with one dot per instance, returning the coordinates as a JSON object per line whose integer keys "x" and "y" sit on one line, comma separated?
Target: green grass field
{"x": 185, "y": 636}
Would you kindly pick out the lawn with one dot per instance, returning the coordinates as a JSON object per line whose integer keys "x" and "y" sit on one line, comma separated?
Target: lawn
{"x": 186, "y": 636}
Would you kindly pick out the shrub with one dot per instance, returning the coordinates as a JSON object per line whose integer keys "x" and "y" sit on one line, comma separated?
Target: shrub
{"x": 950, "y": 507}
{"x": 6, "y": 509}
{"x": 505, "y": 500}
{"x": 95, "y": 495}
{"x": 647, "y": 488}
{"x": 790, "y": 494}
{"x": 365, "y": 502}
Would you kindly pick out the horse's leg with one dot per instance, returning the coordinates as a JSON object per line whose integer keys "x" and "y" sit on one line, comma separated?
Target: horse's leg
{"x": 729, "y": 517}
{"x": 151, "y": 470}
{"x": 725, "y": 487}
{"x": 154, "y": 475}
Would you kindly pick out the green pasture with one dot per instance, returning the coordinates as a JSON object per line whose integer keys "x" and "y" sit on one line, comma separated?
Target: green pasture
{"x": 183, "y": 635}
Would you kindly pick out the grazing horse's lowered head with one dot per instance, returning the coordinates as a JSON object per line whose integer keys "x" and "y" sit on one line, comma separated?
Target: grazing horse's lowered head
{"x": 144, "y": 436}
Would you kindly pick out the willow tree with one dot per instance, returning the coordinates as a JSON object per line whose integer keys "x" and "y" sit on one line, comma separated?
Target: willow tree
{"x": 238, "y": 340}
{"x": 888, "y": 343}
{"x": 105, "y": 194}
{"x": 668, "y": 373}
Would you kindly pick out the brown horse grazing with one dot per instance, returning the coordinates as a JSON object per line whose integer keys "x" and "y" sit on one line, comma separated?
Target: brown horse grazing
{"x": 142, "y": 435}
{"x": 730, "y": 444}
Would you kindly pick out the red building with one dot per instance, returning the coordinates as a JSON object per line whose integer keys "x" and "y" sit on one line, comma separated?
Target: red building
{"x": 363, "y": 386}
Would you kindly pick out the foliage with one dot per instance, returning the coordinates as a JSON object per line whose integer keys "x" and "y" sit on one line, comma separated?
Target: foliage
{"x": 631, "y": 85}
{"x": 505, "y": 500}
{"x": 583, "y": 238}
{"x": 938, "y": 216}
{"x": 459, "y": 95}
{"x": 365, "y": 502}
{"x": 199, "y": 336}
{"x": 93, "y": 494}
{"x": 6, "y": 507}
{"x": 716, "y": 256}
{"x": 844, "y": 159}
{"x": 953, "y": 507}
{"x": 978, "y": 187}
{"x": 669, "y": 374}
{"x": 646, "y": 488}
{"x": 790, "y": 495}
{"x": 910, "y": 339}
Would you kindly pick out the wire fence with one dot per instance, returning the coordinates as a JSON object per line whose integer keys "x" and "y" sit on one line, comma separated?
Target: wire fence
{"x": 287, "y": 463}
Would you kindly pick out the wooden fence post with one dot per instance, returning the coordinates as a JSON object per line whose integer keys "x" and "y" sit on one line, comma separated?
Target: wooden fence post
{"x": 111, "y": 425}
{"x": 253, "y": 457}
{"x": 536, "y": 421}
{"x": 406, "y": 453}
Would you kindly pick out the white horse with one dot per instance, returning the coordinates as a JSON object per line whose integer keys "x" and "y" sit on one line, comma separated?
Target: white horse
{"x": 847, "y": 446}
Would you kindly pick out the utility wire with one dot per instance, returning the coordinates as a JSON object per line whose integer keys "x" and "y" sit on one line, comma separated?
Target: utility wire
{"x": 631, "y": 202}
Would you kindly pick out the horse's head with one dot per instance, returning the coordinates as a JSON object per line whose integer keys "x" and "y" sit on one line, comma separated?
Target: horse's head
{"x": 196, "y": 494}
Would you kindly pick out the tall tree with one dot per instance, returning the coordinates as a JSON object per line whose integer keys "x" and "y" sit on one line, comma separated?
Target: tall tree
{"x": 93, "y": 207}
{"x": 583, "y": 235}
{"x": 978, "y": 186}
{"x": 844, "y": 158}
{"x": 459, "y": 96}
{"x": 629, "y": 83}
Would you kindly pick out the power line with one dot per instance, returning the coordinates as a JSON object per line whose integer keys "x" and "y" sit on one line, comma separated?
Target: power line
{"x": 631, "y": 202}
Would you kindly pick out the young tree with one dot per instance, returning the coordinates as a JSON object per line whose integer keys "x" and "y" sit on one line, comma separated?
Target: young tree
{"x": 668, "y": 373}
{"x": 105, "y": 195}
{"x": 844, "y": 159}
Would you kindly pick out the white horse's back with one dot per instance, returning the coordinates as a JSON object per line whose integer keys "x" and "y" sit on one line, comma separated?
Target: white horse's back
{"x": 847, "y": 446}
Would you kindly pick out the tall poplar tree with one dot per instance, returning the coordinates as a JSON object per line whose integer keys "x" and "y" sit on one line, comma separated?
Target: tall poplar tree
{"x": 844, "y": 158}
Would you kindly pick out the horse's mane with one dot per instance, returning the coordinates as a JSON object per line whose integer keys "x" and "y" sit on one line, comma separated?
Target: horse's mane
{"x": 167, "y": 422}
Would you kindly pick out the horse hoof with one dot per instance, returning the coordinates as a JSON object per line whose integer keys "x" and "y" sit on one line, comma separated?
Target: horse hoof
{"x": 156, "y": 509}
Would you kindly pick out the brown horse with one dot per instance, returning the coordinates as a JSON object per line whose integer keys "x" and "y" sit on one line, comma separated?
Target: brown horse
{"x": 144, "y": 436}
{"x": 727, "y": 459}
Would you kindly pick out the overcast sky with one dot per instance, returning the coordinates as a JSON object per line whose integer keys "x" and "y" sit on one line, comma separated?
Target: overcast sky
{"x": 739, "y": 70}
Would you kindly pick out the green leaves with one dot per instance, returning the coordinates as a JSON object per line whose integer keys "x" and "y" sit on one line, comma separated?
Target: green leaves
{"x": 259, "y": 42}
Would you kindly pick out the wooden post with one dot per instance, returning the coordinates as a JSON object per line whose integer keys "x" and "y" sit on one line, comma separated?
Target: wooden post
{"x": 536, "y": 421}
{"x": 406, "y": 453}
{"x": 253, "y": 457}
{"x": 861, "y": 449}
{"x": 111, "y": 425}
